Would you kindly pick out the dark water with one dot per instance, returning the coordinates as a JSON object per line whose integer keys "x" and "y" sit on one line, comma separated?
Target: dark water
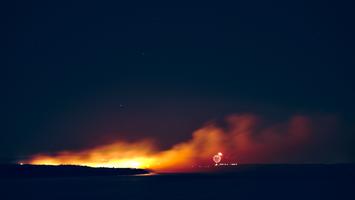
{"x": 175, "y": 186}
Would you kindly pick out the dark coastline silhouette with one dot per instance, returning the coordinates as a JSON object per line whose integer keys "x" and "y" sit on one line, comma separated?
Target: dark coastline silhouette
{"x": 274, "y": 181}
{"x": 28, "y": 171}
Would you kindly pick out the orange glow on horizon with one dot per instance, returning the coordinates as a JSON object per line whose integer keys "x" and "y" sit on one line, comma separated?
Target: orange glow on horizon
{"x": 241, "y": 142}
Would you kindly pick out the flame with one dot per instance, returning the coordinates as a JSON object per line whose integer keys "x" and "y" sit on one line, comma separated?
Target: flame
{"x": 245, "y": 140}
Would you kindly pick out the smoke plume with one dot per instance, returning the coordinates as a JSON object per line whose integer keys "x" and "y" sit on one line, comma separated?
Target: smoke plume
{"x": 241, "y": 138}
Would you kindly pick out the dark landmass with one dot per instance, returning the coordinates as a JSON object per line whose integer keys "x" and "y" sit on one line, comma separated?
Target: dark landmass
{"x": 28, "y": 171}
{"x": 225, "y": 182}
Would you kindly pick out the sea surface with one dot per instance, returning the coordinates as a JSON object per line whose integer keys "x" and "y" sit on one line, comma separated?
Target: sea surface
{"x": 256, "y": 184}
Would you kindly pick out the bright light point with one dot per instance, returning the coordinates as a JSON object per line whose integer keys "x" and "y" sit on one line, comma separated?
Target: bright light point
{"x": 134, "y": 164}
{"x": 217, "y": 158}
{"x": 21, "y": 163}
{"x": 220, "y": 154}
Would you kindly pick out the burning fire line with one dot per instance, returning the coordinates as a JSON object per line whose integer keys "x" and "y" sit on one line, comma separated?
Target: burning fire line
{"x": 243, "y": 140}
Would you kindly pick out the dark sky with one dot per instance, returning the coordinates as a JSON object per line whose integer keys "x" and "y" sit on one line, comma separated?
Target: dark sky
{"x": 70, "y": 66}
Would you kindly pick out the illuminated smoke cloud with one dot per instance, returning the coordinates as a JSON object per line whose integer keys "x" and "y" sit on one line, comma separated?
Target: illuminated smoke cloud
{"x": 243, "y": 139}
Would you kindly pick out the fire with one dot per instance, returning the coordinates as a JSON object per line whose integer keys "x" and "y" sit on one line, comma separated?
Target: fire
{"x": 118, "y": 155}
{"x": 246, "y": 140}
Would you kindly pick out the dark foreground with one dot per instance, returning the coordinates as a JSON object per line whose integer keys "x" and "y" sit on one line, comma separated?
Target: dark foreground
{"x": 241, "y": 182}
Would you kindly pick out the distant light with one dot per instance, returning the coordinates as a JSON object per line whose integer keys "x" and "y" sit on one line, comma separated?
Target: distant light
{"x": 21, "y": 163}
{"x": 220, "y": 154}
{"x": 217, "y": 158}
{"x": 135, "y": 164}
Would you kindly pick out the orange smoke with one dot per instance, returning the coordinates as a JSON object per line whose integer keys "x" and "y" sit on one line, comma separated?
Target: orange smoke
{"x": 244, "y": 139}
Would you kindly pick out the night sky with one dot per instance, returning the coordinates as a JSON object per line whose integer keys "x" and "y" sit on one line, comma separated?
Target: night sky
{"x": 84, "y": 73}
